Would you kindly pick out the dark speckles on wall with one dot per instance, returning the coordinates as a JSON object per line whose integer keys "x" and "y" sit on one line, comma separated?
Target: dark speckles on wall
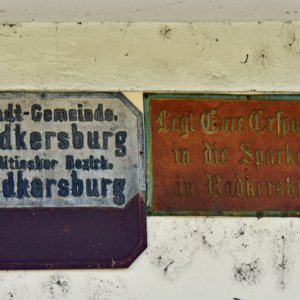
{"x": 187, "y": 258}
{"x": 9, "y": 25}
{"x": 166, "y": 32}
{"x": 247, "y": 273}
{"x": 205, "y": 242}
{"x": 167, "y": 266}
{"x": 240, "y": 232}
{"x": 283, "y": 258}
{"x": 11, "y": 30}
{"x": 288, "y": 35}
{"x": 173, "y": 255}
{"x": 246, "y": 59}
{"x": 262, "y": 57}
{"x": 253, "y": 249}
{"x": 99, "y": 287}
{"x": 57, "y": 287}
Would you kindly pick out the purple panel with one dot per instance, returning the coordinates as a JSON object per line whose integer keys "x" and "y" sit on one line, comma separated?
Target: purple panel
{"x": 38, "y": 238}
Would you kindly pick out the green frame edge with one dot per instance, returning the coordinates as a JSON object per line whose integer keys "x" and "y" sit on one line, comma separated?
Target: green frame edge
{"x": 148, "y": 147}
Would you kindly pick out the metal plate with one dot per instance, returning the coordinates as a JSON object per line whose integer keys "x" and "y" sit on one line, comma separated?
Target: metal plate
{"x": 72, "y": 181}
{"x": 233, "y": 155}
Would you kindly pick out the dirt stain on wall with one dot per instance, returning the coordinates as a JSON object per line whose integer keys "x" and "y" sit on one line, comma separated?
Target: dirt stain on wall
{"x": 166, "y": 32}
{"x": 57, "y": 287}
{"x": 288, "y": 35}
{"x": 105, "y": 288}
{"x": 247, "y": 273}
{"x": 283, "y": 258}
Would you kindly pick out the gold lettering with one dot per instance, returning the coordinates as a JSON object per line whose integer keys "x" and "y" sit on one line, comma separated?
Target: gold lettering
{"x": 209, "y": 185}
{"x": 185, "y": 188}
{"x": 270, "y": 123}
{"x": 270, "y": 187}
{"x": 249, "y": 185}
{"x": 270, "y": 157}
{"x": 208, "y": 121}
{"x": 184, "y": 126}
{"x": 278, "y": 123}
{"x": 176, "y": 154}
{"x": 207, "y": 153}
{"x": 166, "y": 122}
{"x": 162, "y": 117}
{"x": 173, "y": 123}
{"x": 192, "y": 122}
{"x": 230, "y": 124}
{"x": 229, "y": 188}
{"x": 240, "y": 121}
{"x": 214, "y": 185}
{"x": 185, "y": 154}
{"x": 259, "y": 187}
{"x": 211, "y": 122}
{"x": 239, "y": 186}
{"x": 189, "y": 186}
{"x": 279, "y": 153}
{"x": 290, "y": 186}
{"x": 289, "y": 155}
{"x": 258, "y": 158}
{"x": 212, "y": 154}
{"x": 181, "y": 156}
{"x": 295, "y": 125}
{"x": 283, "y": 125}
{"x": 224, "y": 123}
{"x": 255, "y": 120}
{"x": 247, "y": 158}
{"x": 279, "y": 189}
{"x": 179, "y": 188}
{"x": 224, "y": 152}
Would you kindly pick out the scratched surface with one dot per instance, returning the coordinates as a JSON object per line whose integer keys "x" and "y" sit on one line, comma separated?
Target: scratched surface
{"x": 222, "y": 154}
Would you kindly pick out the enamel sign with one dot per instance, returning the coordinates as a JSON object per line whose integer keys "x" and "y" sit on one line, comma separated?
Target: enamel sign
{"x": 223, "y": 154}
{"x": 72, "y": 180}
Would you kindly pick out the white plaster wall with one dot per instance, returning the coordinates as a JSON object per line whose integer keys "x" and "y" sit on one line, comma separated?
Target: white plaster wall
{"x": 16, "y": 11}
{"x": 187, "y": 257}
{"x": 151, "y": 56}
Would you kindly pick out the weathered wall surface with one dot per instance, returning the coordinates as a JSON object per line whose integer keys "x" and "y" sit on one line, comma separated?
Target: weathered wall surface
{"x": 145, "y": 56}
{"x": 148, "y": 11}
{"x": 187, "y": 257}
